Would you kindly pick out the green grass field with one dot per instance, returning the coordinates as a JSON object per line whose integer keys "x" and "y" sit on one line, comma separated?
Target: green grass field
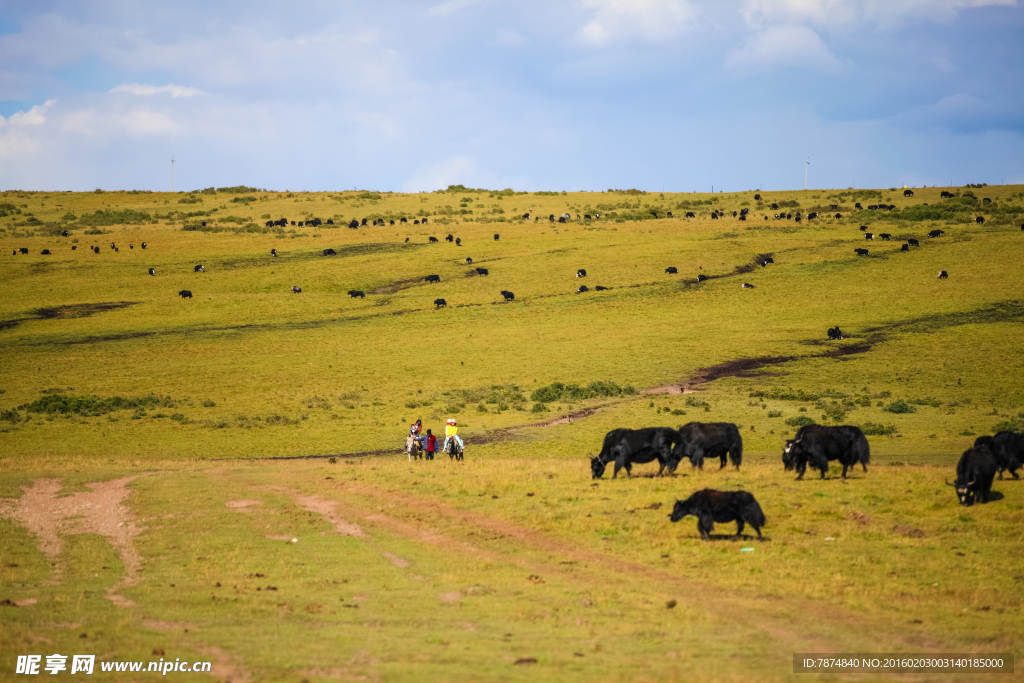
{"x": 145, "y": 507}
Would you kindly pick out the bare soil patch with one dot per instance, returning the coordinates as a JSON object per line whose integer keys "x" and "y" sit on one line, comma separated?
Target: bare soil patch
{"x": 100, "y": 511}
{"x": 326, "y": 509}
{"x": 242, "y": 505}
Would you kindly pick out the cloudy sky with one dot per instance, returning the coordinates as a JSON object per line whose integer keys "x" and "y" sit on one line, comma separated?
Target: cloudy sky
{"x": 679, "y": 95}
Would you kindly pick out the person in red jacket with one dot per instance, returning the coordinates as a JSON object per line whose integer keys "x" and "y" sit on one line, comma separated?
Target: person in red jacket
{"x": 431, "y": 445}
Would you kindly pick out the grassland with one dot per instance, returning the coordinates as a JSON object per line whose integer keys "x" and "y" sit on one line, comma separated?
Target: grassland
{"x": 432, "y": 570}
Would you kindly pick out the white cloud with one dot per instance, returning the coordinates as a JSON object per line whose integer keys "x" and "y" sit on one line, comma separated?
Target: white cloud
{"x": 453, "y": 6}
{"x": 32, "y": 117}
{"x": 143, "y": 89}
{"x": 506, "y": 37}
{"x": 441, "y": 174}
{"x": 110, "y": 125}
{"x": 14, "y": 144}
{"x": 884, "y": 13}
{"x": 784, "y": 46}
{"x": 645, "y": 21}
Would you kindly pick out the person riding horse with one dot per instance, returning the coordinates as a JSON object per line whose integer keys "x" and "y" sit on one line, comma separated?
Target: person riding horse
{"x": 451, "y": 431}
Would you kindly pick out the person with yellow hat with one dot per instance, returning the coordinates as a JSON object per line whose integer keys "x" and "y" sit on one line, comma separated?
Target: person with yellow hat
{"x": 451, "y": 431}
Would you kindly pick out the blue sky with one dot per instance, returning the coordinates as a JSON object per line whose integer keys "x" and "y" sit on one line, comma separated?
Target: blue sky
{"x": 678, "y": 95}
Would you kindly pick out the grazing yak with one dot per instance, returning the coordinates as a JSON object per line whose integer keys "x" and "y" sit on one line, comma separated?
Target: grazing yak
{"x": 942, "y": 275}
{"x": 296, "y": 289}
{"x": 869, "y": 235}
{"x": 913, "y": 242}
{"x": 936, "y": 233}
{"x": 440, "y": 303}
{"x": 835, "y": 333}
{"x": 152, "y": 271}
{"x": 482, "y": 271}
{"x": 974, "y": 475}
{"x": 885, "y": 236}
{"x": 861, "y": 252}
{"x": 710, "y": 506}
{"x": 671, "y": 270}
{"x": 628, "y": 447}
{"x": 45, "y": 252}
{"x": 599, "y": 288}
{"x": 904, "y": 247}
{"x": 199, "y": 269}
{"x": 185, "y": 294}
{"x": 432, "y": 239}
{"x": 979, "y": 220}
{"x": 581, "y": 273}
{"x": 357, "y": 293}
{"x": 1008, "y": 449}
{"x": 702, "y": 277}
{"x": 699, "y": 440}
{"x": 143, "y": 245}
{"x": 469, "y": 261}
{"x": 747, "y": 285}
{"x": 273, "y": 252}
{"x": 863, "y": 228}
{"x": 812, "y": 215}
{"x": 582, "y": 288}
{"x": 432, "y": 278}
{"x": 908, "y": 193}
{"x": 497, "y": 236}
{"x": 691, "y": 214}
{"x": 458, "y": 241}
{"x": 330, "y": 252}
{"x": 353, "y": 223}
{"x": 509, "y": 296}
{"x": 817, "y": 445}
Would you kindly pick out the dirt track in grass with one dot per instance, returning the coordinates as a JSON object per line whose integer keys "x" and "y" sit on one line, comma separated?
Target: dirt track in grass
{"x": 101, "y": 511}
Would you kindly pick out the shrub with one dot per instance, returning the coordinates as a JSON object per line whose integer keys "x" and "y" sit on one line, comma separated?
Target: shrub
{"x": 834, "y": 412}
{"x": 12, "y": 416}
{"x": 122, "y": 217}
{"x": 557, "y": 391}
{"x": 872, "y": 429}
{"x": 695, "y": 402}
{"x": 208, "y": 403}
{"x": 799, "y": 421}
{"x": 539, "y": 408}
{"x": 774, "y": 413}
{"x": 899, "y": 406}
{"x": 93, "y": 405}
{"x": 1009, "y": 426}
{"x": 933, "y": 402}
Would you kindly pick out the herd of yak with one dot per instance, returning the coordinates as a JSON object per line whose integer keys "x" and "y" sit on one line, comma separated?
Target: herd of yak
{"x": 813, "y": 445}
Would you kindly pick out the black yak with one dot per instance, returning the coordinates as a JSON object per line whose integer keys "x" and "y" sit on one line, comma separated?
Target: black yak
{"x": 710, "y": 506}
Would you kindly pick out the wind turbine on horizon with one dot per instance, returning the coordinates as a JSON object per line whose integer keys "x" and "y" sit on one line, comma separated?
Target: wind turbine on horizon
{"x": 805, "y": 173}
{"x": 172, "y": 175}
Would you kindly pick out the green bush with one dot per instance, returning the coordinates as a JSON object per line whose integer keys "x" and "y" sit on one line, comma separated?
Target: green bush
{"x": 557, "y": 391}
{"x": 899, "y": 406}
{"x": 93, "y": 405}
{"x": 872, "y": 429}
{"x": 539, "y": 408}
{"x": 834, "y": 412}
{"x": 799, "y": 421}
{"x": 122, "y": 217}
{"x": 774, "y": 413}
{"x": 12, "y": 416}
